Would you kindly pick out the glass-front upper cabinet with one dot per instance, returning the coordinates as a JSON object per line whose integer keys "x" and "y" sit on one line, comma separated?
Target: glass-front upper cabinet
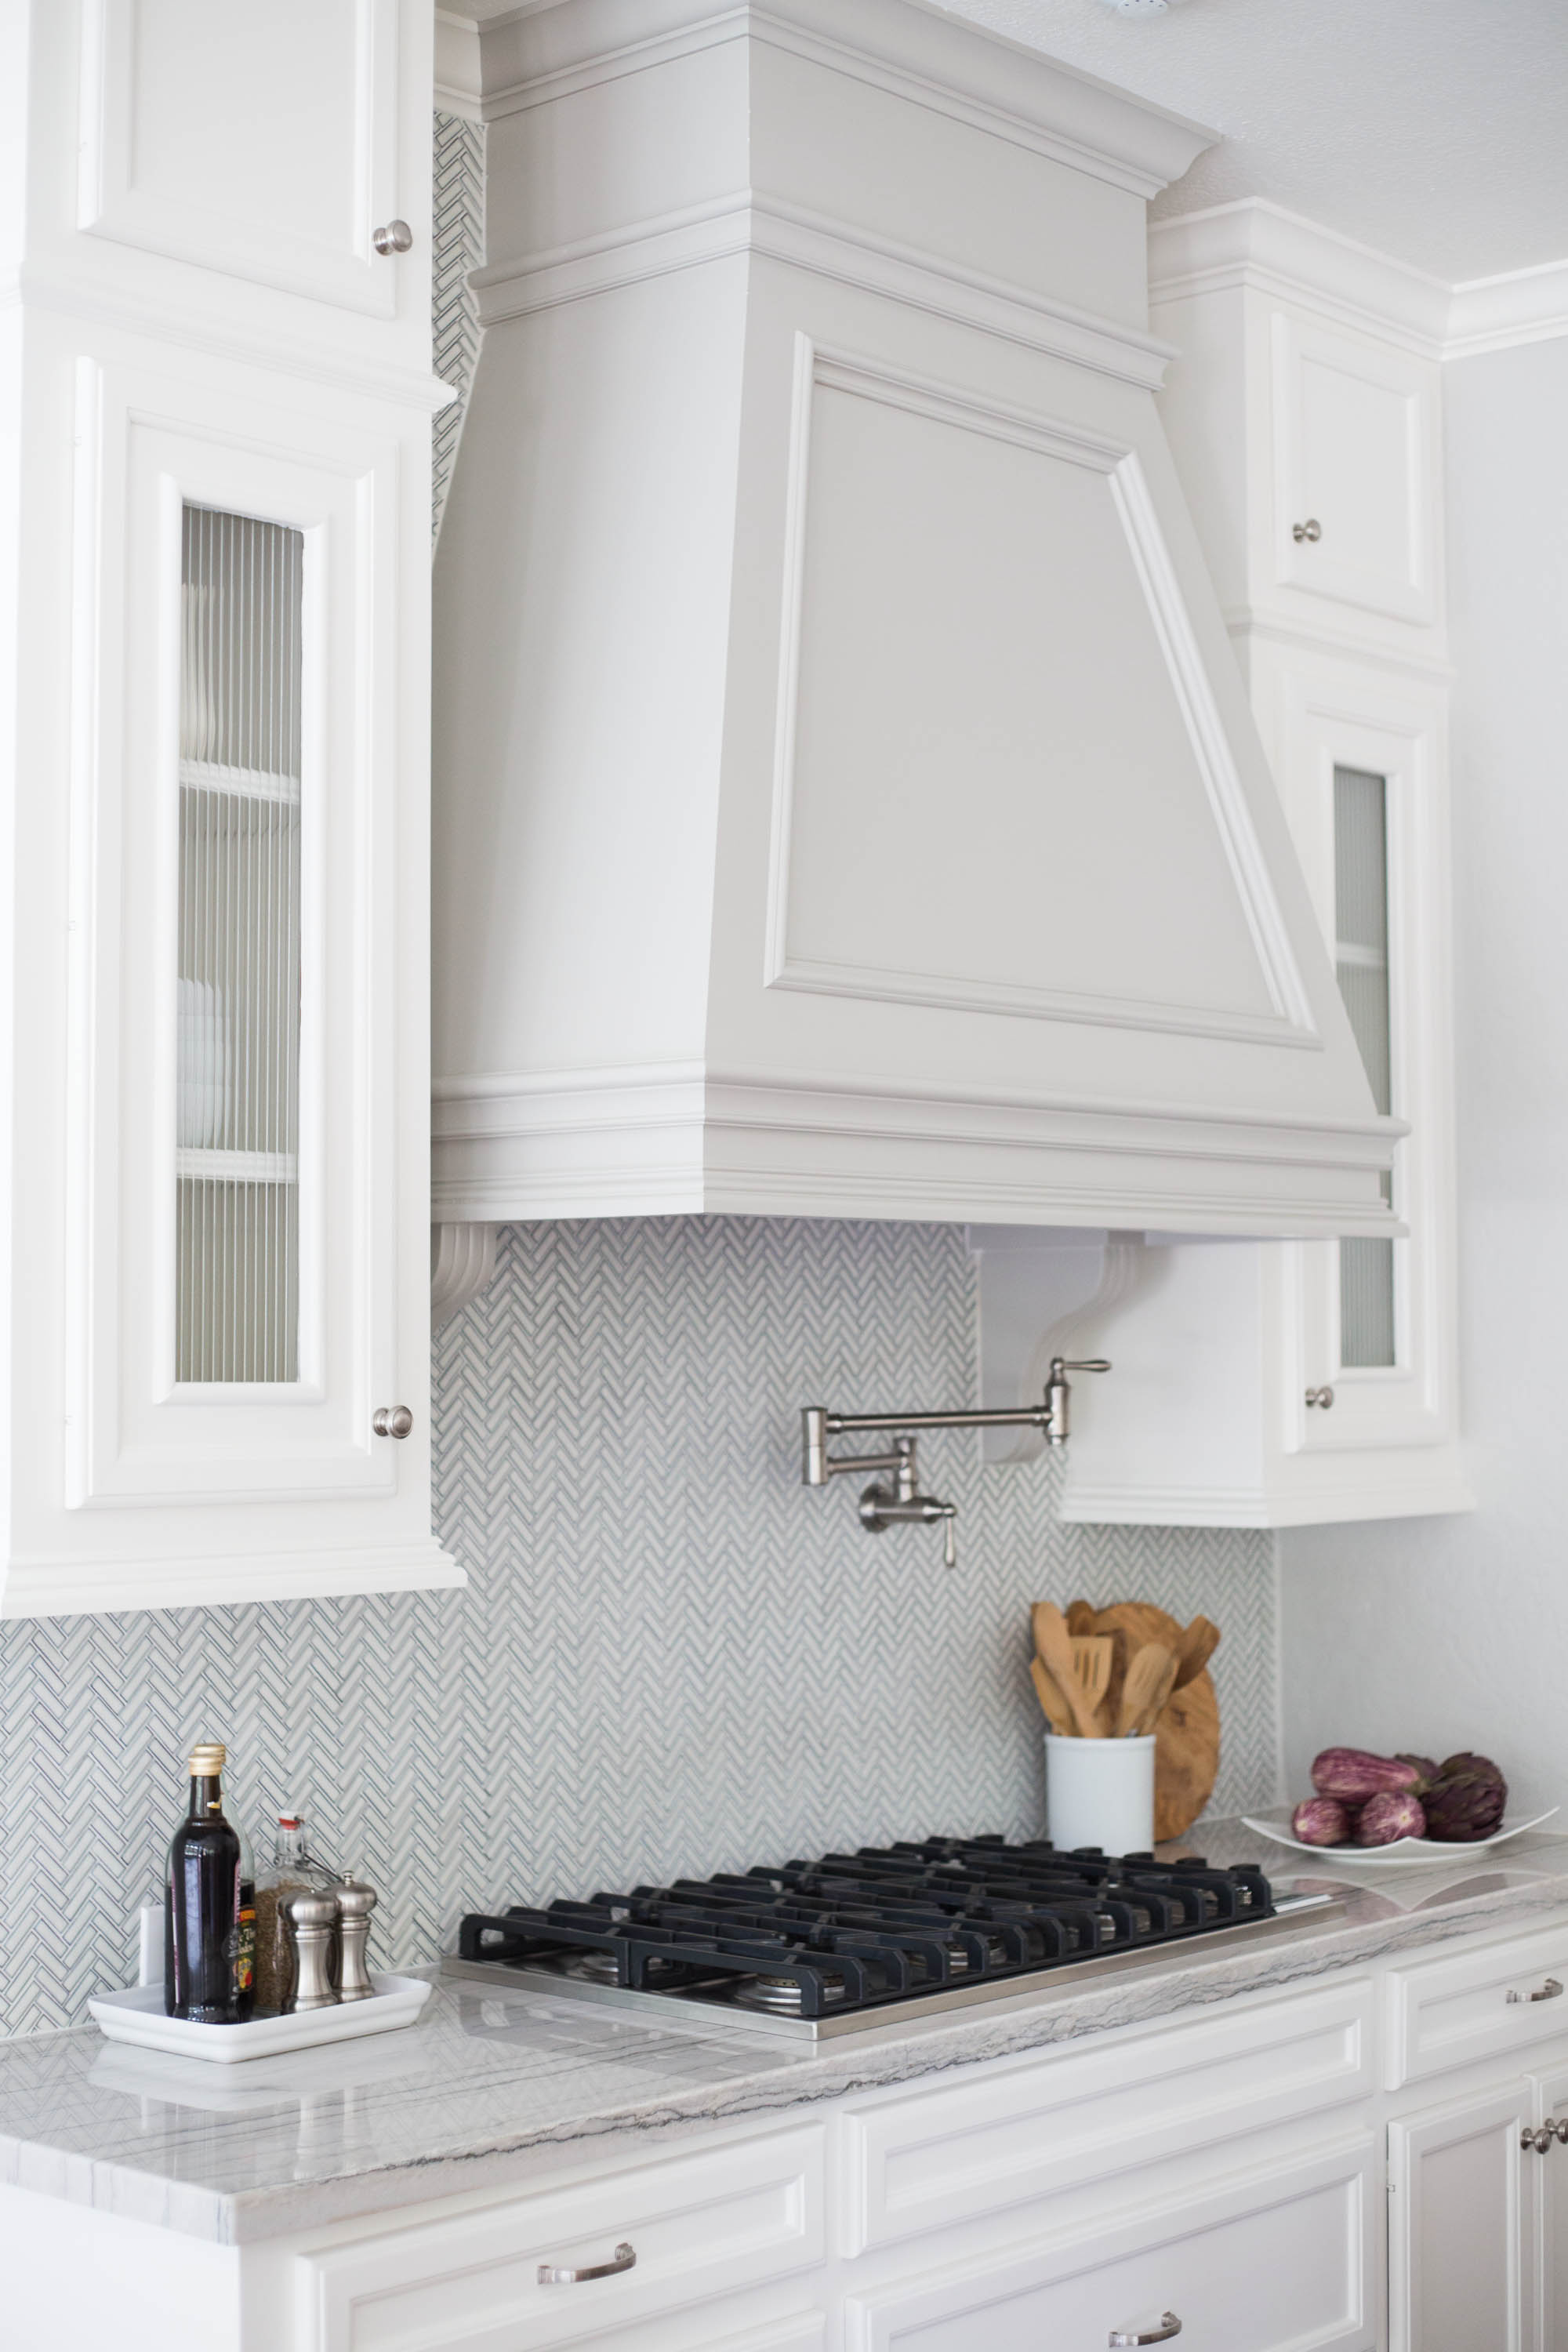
{"x": 1362, "y": 772}
{"x": 215, "y": 650}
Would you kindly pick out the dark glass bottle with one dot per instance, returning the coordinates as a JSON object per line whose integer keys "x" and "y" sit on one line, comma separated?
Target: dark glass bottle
{"x": 201, "y": 1933}
{"x": 245, "y": 1932}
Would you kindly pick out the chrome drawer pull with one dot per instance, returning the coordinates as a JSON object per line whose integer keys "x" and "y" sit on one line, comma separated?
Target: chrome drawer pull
{"x": 1550, "y": 1991}
{"x": 562, "y": 2274}
{"x": 1169, "y": 2326}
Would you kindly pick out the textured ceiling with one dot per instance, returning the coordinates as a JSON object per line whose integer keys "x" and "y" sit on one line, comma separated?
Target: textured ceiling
{"x": 1434, "y": 129}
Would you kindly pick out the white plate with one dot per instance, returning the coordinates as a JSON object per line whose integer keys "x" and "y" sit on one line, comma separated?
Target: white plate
{"x": 138, "y": 2016}
{"x": 1420, "y": 1852}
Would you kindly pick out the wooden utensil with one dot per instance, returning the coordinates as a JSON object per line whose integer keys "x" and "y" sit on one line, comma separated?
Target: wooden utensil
{"x": 1151, "y": 1674}
{"x": 1186, "y": 1754}
{"x": 1092, "y": 1657}
{"x": 1054, "y": 1643}
{"x": 1080, "y": 1618}
{"x": 1054, "y": 1707}
{"x": 1155, "y": 1707}
{"x": 1199, "y": 1644}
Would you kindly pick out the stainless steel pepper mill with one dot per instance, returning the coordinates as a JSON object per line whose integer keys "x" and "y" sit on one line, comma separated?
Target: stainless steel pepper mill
{"x": 356, "y": 1901}
{"x": 312, "y": 1922}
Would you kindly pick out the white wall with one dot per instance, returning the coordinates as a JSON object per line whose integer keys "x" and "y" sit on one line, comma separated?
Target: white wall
{"x": 1445, "y": 1633}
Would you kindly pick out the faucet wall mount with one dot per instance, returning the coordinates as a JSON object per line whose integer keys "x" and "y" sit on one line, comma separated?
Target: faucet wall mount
{"x": 902, "y": 1504}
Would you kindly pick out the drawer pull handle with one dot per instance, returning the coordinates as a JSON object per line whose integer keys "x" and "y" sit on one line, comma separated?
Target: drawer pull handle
{"x": 562, "y": 2274}
{"x": 1169, "y": 2326}
{"x": 1551, "y": 1990}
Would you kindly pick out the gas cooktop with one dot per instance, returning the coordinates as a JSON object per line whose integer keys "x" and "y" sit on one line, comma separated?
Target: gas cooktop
{"x": 838, "y": 1946}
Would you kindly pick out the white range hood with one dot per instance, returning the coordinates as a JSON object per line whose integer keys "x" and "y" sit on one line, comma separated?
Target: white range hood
{"x": 846, "y": 801}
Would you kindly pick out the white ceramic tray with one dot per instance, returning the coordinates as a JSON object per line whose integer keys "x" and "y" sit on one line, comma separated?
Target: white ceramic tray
{"x": 138, "y": 2016}
{"x": 1423, "y": 1853}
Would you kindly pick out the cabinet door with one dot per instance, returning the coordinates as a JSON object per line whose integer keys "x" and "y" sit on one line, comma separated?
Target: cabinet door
{"x": 1355, "y": 455}
{"x": 1361, "y": 766}
{"x": 1551, "y": 2171}
{"x": 1463, "y": 2226}
{"x": 1283, "y": 2261}
{"x": 240, "y": 1145}
{"x": 260, "y": 142}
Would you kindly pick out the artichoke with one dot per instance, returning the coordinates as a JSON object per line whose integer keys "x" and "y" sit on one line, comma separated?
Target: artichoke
{"x": 1465, "y": 1799}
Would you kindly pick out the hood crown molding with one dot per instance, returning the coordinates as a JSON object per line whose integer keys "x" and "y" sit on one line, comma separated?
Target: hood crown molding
{"x": 916, "y": 51}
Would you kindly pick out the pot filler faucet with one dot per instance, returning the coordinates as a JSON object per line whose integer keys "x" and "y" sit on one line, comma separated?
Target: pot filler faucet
{"x": 902, "y": 1504}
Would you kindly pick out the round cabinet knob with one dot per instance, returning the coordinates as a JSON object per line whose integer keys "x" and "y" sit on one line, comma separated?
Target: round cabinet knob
{"x": 1312, "y": 531}
{"x": 393, "y": 1421}
{"x": 397, "y": 236}
{"x": 1323, "y": 1398}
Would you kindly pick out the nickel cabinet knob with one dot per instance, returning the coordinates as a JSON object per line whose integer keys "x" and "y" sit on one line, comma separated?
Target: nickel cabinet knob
{"x": 394, "y": 237}
{"x": 393, "y": 1421}
{"x": 1323, "y": 1398}
{"x": 1312, "y": 531}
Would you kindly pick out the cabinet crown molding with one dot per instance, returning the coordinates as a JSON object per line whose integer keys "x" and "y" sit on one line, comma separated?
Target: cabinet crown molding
{"x": 1259, "y": 246}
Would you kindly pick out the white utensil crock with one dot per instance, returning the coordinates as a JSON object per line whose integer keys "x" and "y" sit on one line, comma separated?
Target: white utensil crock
{"x": 1100, "y": 1792}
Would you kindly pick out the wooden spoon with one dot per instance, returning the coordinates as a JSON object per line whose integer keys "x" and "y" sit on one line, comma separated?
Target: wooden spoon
{"x": 1091, "y": 1658}
{"x": 1152, "y": 1668}
{"x": 1161, "y": 1699}
{"x": 1054, "y": 1643}
{"x": 1199, "y": 1644}
{"x": 1054, "y": 1707}
{"x": 1080, "y": 1618}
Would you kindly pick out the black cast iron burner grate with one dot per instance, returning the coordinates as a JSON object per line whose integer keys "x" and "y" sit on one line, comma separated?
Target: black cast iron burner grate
{"x": 863, "y": 1931}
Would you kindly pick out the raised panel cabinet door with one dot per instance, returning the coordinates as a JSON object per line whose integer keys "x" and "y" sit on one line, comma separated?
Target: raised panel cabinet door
{"x": 1280, "y": 2265}
{"x": 1355, "y": 455}
{"x": 1550, "y": 2167}
{"x": 1462, "y": 2229}
{"x": 262, "y": 143}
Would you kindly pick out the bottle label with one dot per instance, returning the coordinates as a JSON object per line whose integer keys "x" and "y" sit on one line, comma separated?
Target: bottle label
{"x": 242, "y": 1950}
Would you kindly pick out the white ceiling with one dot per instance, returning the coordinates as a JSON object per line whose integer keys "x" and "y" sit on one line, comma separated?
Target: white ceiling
{"x": 1433, "y": 130}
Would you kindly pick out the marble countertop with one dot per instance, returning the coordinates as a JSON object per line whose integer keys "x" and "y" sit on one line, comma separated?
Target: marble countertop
{"x": 499, "y": 2087}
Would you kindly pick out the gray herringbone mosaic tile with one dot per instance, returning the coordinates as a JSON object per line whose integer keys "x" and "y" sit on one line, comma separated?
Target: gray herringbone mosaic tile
{"x": 459, "y": 248}
{"x": 671, "y": 1655}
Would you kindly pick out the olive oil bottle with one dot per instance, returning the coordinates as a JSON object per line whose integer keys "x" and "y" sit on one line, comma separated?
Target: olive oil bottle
{"x": 206, "y": 1948}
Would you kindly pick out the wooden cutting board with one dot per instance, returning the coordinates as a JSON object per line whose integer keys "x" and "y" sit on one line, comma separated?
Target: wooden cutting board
{"x": 1187, "y": 1736}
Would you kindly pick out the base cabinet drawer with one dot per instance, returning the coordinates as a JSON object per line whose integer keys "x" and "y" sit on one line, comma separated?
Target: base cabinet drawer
{"x": 1281, "y": 2261}
{"x": 683, "y": 2230}
{"x": 930, "y": 2157}
{"x": 1495, "y": 2001}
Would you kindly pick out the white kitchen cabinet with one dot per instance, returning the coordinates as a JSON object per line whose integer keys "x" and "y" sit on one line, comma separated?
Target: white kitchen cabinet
{"x": 1305, "y": 409}
{"x": 1285, "y": 1383}
{"x": 1462, "y": 2227}
{"x": 847, "y": 803}
{"x": 217, "y": 1046}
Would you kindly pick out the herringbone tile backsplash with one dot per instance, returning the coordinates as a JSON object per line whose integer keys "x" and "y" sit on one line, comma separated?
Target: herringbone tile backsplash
{"x": 670, "y": 1656}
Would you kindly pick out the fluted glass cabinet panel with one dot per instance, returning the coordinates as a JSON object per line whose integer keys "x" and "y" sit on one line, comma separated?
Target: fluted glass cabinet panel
{"x": 1367, "y": 1321}
{"x": 239, "y": 1002}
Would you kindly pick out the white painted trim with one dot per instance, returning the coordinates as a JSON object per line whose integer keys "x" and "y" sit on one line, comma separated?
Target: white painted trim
{"x": 619, "y": 1143}
{"x": 462, "y": 1263}
{"x": 1261, "y": 247}
{"x": 746, "y": 221}
{"x": 44, "y": 1585}
{"x": 459, "y": 87}
{"x": 1289, "y": 1023}
{"x": 1521, "y": 305}
{"x": 1418, "y": 1495}
{"x": 1249, "y": 623}
{"x": 903, "y": 48}
{"x": 180, "y": 327}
